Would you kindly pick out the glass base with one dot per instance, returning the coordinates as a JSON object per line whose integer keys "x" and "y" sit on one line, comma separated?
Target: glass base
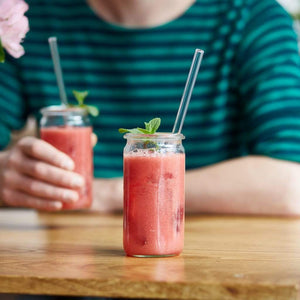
{"x": 157, "y": 256}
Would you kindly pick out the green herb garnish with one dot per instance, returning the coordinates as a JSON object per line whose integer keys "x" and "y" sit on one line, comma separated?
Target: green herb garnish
{"x": 150, "y": 128}
{"x": 80, "y": 97}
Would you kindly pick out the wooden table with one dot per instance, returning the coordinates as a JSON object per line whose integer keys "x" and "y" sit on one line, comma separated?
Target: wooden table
{"x": 81, "y": 254}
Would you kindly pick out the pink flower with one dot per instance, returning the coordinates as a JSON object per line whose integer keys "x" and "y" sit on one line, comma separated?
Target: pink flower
{"x": 13, "y": 25}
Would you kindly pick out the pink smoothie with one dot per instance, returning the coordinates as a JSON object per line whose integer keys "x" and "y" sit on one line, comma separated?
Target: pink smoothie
{"x": 75, "y": 142}
{"x": 153, "y": 203}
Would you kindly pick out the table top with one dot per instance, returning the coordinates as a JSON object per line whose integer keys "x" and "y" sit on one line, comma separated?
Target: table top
{"x": 80, "y": 253}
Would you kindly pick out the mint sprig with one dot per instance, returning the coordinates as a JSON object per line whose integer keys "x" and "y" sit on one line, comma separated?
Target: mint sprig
{"x": 150, "y": 127}
{"x": 80, "y": 97}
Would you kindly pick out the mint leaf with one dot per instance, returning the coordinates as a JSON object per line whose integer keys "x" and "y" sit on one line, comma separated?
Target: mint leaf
{"x": 150, "y": 128}
{"x": 80, "y": 97}
{"x": 92, "y": 110}
{"x": 123, "y": 130}
{"x": 147, "y": 126}
{"x": 142, "y": 130}
{"x": 2, "y": 53}
{"x": 154, "y": 125}
{"x": 134, "y": 130}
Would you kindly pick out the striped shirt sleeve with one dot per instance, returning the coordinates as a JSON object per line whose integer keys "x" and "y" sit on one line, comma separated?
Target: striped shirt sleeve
{"x": 269, "y": 82}
{"x": 12, "y": 103}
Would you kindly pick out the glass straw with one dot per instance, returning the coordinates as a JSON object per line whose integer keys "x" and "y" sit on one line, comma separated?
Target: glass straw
{"x": 58, "y": 71}
{"x": 187, "y": 93}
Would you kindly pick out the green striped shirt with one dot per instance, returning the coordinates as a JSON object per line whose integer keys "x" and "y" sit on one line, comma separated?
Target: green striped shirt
{"x": 246, "y": 99}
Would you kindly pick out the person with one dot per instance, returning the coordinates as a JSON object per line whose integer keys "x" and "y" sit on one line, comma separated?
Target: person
{"x": 243, "y": 124}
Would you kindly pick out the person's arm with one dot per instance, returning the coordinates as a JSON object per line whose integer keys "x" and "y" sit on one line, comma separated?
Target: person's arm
{"x": 249, "y": 185}
{"x": 13, "y": 106}
{"x": 268, "y": 77}
{"x": 32, "y": 173}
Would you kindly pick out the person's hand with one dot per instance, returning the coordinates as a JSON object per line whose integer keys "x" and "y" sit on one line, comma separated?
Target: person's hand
{"x": 108, "y": 195}
{"x": 35, "y": 174}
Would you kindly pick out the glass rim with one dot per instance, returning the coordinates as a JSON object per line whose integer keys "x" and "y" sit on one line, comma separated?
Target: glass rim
{"x": 155, "y": 136}
{"x": 63, "y": 110}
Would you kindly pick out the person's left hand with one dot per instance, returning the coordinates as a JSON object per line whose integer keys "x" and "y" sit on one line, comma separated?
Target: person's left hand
{"x": 107, "y": 195}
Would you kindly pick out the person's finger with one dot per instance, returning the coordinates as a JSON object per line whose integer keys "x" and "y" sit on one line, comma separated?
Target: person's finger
{"x": 45, "y": 172}
{"x": 94, "y": 139}
{"x": 37, "y": 188}
{"x": 19, "y": 199}
{"x": 42, "y": 150}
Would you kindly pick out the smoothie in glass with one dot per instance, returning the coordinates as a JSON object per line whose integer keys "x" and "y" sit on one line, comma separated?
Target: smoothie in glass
{"x": 154, "y": 199}
{"x": 70, "y": 132}
{"x": 75, "y": 142}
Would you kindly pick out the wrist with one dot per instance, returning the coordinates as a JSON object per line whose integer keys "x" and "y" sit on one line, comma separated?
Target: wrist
{"x": 107, "y": 195}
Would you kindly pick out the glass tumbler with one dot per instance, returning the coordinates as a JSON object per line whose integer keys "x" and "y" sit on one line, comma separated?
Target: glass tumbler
{"x": 154, "y": 174}
{"x": 69, "y": 130}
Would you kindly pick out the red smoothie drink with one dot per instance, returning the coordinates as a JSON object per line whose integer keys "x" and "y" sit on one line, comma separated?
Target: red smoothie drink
{"x": 69, "y": 131}
{"x": 75, "y": 142}
{"x": 154, "y": 202}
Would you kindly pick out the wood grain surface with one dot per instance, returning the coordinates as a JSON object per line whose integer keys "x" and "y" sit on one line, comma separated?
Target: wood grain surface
{"x": 81, "y": 254}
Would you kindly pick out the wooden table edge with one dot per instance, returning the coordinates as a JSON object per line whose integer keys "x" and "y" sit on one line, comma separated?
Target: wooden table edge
{"x": 145, "y": 289}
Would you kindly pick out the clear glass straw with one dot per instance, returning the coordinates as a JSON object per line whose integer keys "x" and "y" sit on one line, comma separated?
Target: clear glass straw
{"x": 58, "y": 71}
{"x": 187, "y": 93}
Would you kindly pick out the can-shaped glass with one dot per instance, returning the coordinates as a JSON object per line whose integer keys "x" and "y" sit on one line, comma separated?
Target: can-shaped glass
{"x": 154, "y": 175}
{"x": 69, "y": 130}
